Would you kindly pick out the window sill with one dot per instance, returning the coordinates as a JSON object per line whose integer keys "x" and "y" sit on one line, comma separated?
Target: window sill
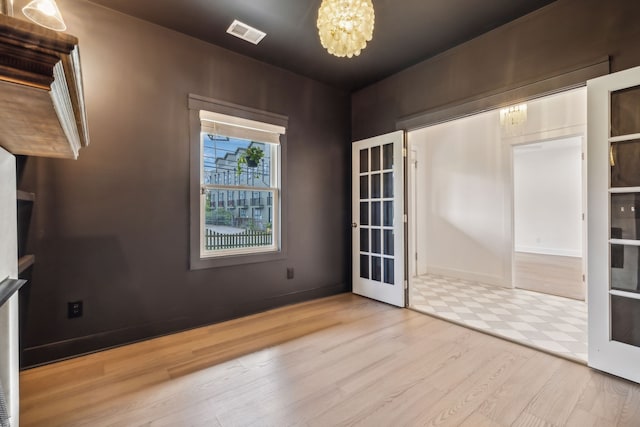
{"x": 198, "y": 263}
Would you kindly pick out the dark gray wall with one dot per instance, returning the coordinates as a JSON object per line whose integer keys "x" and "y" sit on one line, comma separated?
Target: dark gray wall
{"x": 112, "y": 228}
{"x": 560, "y": 37}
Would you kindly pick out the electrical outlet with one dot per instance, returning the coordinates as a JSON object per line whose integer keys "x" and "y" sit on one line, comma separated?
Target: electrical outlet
{"x": 289, "y": 272}
{"x": 74, "y": 309}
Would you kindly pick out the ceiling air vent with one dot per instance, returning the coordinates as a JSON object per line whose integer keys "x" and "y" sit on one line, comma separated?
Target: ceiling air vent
{"x": 245, "y": 32}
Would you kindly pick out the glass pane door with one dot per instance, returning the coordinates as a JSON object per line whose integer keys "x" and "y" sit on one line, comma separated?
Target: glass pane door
{"x": 624, "y": 202}
{"x": 378, "y": 231}
{"x": 614, "y": 223}
{"x": 376, "y": 214}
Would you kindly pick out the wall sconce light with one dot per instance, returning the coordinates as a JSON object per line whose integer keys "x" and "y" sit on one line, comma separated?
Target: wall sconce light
{"x": 513, "y": 119}
{"x": 45, "y": 13}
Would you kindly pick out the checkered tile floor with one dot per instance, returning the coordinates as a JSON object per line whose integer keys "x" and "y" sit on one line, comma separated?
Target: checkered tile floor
{"x": 547, "y": 322}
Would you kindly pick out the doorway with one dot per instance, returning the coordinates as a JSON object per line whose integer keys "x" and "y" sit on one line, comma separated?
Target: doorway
{"x": 461, "y": 224}
{"x": 548, "y": 219}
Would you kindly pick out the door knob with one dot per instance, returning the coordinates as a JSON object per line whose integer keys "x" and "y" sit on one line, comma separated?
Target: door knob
{"x": 354, "y": 225}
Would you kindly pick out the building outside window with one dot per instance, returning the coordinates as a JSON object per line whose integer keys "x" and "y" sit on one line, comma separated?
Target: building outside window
{"x": 247, "y": 155}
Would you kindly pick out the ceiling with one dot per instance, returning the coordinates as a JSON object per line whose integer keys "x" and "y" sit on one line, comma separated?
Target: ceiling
{"x": 406, "y": 31}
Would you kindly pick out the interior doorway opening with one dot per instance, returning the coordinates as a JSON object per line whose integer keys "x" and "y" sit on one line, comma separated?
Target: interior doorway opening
{"x": 462, "y": 256}
{"x": 548, "y": 216}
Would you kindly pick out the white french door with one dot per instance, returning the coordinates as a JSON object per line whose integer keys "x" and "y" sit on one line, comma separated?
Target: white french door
{"x": 9, "y": 340}
{"x": 613, "y": 261}
{"x": 378, "y": 218}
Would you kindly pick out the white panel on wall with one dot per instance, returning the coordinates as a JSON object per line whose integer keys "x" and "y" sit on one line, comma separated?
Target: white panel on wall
{"x": 548, "y": 197}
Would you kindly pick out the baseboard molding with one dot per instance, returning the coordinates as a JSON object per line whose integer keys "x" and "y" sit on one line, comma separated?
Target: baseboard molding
{"x": 61, "y": 350}
{"x": 549, "y": 251}
{"x": 469, "y": 276}
{"x": 79, "y": 346}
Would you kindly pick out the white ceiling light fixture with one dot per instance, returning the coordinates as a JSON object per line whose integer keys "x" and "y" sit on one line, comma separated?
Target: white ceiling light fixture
{"x": 245, "y": 32}
{"x": 45, "y": 13}
{"x": 345, "y": 26}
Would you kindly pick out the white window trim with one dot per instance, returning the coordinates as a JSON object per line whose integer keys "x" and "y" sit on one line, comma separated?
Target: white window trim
{"x": 259, "y": 124}
{"x": 239, "y": 122}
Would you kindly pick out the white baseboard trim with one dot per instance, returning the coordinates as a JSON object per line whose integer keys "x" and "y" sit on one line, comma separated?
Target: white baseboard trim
{"x": 549, "y": 251}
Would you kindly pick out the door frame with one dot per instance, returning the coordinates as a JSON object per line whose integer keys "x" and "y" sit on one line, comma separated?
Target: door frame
{"x": 412, "y": 212}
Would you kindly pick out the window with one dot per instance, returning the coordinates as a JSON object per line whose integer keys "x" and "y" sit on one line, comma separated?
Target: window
{"x": 239, "y": 176}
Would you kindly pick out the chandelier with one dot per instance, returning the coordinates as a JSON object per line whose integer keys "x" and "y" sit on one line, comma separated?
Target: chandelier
{"x": 513, "y": 120}
{"x": 345, "y": 26}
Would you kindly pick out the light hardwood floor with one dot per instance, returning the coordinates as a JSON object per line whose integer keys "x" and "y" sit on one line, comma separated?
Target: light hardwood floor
{"x": 343, "y": 360}
{"x": 549, "y": 274}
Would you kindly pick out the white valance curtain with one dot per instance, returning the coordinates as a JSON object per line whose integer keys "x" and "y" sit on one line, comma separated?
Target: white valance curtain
{"x": 236, "y": 127}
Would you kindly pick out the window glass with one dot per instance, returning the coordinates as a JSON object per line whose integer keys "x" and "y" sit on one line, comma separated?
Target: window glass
{"x": 239, "y": 195}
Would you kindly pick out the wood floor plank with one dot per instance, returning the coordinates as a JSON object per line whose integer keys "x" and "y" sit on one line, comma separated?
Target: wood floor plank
{"x": 556, "y": 400}
{"x": 343, "y": 360}
{"x": 527, "y": 419}
{"x": 463, "y": 400}
{"x": 408, "y": 366}
{"x": 332, "y": 368}
{"x": 509, "y": 401}
{"x": 43, "y": 381}
{"x": 166, "y": 398}
{"x": 65, "y": 411}
{"x": 630, "y": 414}
{"x": 397, "y": 381}
{"x": 581, "y": 418}
{"x": 604, "y": 397}
{"x": 478, "y": 420}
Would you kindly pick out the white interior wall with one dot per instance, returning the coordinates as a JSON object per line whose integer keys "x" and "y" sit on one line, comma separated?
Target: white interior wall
{"x": 461, "y": 211}
{"x": 547, "y": 181}
{"x": 463, "y": 225}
